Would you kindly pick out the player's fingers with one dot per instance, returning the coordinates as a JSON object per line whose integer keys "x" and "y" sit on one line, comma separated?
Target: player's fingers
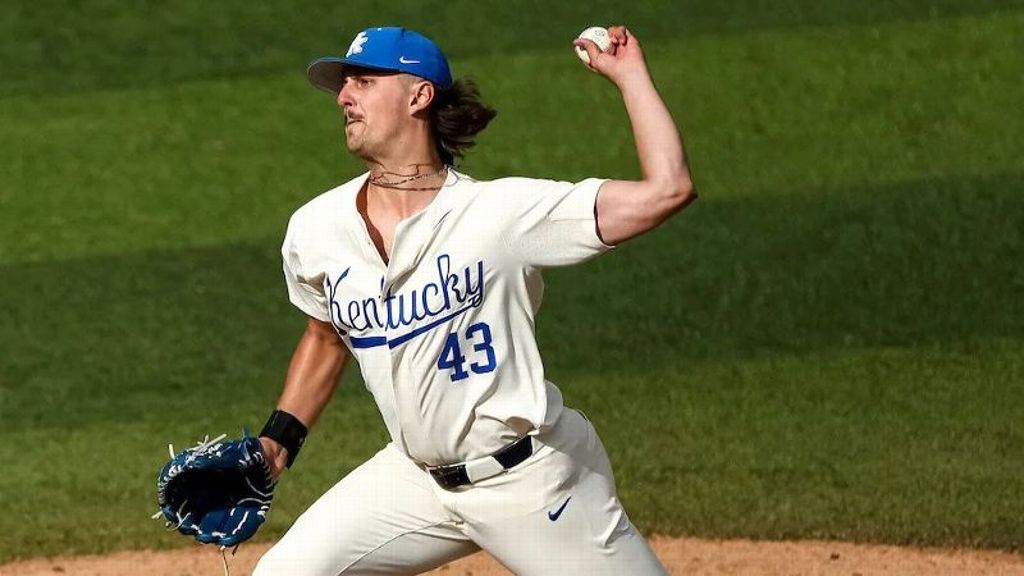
{"x": 615, "y": 39}
{"x": 630, "y": 38}
{"x": 592, "y": 51}
{"x": 617, "y": 34}
{"x": 612, "y": 49}
{"x": 591, "y": 48}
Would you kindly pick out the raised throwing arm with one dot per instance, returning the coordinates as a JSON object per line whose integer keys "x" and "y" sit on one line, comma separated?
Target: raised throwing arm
{"x": 629, "y": 208}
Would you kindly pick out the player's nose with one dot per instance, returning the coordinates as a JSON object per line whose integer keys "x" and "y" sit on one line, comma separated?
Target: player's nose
{"x": 345, "y": 96}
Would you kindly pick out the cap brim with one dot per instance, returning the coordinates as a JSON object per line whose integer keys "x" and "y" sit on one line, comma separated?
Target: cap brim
{"x": 328, "y": 73}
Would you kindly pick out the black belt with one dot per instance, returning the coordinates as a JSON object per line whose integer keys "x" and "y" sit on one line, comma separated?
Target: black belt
{"x": 453, "y": 476}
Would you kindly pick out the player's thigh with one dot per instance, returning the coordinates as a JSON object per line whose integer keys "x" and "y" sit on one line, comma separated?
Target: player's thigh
{"x": 382, "y": 518}
{"x": 560, "y": 514}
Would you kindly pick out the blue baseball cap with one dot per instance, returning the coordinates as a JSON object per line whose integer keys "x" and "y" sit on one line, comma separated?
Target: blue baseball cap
{"x": 393, "y": 49}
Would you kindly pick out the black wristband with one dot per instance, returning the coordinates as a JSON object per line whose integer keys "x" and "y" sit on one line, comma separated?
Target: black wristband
{"x": 286, "y": 430}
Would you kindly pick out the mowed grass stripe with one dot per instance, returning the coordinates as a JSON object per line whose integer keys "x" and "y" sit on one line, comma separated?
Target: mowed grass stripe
{"x": 925, "y": 262}
{"x": 47, "y": 45}
{"x": 770, "y": 113}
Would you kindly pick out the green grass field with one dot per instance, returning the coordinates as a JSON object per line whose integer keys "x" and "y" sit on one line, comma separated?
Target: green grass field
{"x": 829, "y": 344}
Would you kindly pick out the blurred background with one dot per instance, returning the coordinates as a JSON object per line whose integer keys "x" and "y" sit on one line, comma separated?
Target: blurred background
{"x": 828, "y": 344}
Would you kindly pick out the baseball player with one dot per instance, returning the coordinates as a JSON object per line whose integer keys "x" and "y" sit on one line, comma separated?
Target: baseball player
{"x": 431, "y": 280}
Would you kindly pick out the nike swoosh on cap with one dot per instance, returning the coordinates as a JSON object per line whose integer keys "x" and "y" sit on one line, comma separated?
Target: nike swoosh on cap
{"x": 403, "y": 60}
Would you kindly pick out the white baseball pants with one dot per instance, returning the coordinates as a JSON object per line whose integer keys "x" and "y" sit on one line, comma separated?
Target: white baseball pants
{"x": 556, "y": 513}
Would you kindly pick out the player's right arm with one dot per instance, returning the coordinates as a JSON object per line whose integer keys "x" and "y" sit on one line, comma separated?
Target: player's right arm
{"x": 628, "y": 208}
{"x": 313, "y": 375}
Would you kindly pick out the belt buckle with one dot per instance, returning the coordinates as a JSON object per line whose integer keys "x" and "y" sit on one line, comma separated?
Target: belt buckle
{"x": 448, "y": 477}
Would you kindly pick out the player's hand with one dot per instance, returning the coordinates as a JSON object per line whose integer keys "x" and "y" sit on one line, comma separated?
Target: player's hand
{"x": 275, "y": 455}
{"x": 622, "y": 62}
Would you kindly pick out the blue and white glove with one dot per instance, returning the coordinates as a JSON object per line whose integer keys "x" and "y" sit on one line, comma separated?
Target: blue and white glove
{"x": 219, "y": 492}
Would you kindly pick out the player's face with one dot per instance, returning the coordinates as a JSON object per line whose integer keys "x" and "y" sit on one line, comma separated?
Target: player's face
{"x": 375, "y": 107}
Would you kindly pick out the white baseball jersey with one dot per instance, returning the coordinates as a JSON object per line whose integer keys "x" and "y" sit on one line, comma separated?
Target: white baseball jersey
{"x": 444, "y": 332}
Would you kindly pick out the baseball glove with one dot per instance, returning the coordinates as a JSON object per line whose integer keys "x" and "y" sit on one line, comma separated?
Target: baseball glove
{"x": 219, "y": 492}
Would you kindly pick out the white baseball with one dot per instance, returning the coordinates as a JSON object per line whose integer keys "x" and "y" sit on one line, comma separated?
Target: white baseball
{"x": 597, "y": 35}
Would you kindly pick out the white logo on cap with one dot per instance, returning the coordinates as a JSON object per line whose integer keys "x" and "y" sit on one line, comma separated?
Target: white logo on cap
{"x": 403, "y": 60}
{"x": 357, "y": 44}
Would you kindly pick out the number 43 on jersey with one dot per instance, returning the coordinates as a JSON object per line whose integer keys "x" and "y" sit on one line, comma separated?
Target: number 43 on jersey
{"x": 481, "y": 360}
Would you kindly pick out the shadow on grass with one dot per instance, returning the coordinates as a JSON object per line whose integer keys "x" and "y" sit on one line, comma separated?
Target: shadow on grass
{"x": 922, "y": 262}
{"x": 927, "y": 262}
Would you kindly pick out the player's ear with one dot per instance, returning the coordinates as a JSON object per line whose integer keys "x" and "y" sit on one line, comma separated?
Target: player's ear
{"x": 421, "y": 95}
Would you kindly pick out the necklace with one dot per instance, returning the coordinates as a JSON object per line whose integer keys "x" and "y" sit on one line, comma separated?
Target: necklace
{"x": 380, "y": 179}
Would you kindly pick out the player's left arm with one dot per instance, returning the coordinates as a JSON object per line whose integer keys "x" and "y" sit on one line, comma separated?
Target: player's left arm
{"x": 629, "y": 208}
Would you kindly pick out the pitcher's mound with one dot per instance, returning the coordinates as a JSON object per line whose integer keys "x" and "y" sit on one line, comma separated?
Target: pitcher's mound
{"x": 688, "y": 556}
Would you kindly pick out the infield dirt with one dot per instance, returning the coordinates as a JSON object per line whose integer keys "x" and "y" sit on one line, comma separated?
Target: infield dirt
{"x": 680, "y": 555}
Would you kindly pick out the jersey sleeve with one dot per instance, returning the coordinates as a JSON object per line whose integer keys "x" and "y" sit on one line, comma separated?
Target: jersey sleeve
{"x": 305, "y": 290}
{"x": 552, "y": 223}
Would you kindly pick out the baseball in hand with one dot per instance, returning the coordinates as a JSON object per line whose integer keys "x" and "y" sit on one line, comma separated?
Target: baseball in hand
{"x": 597, "y": 35}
